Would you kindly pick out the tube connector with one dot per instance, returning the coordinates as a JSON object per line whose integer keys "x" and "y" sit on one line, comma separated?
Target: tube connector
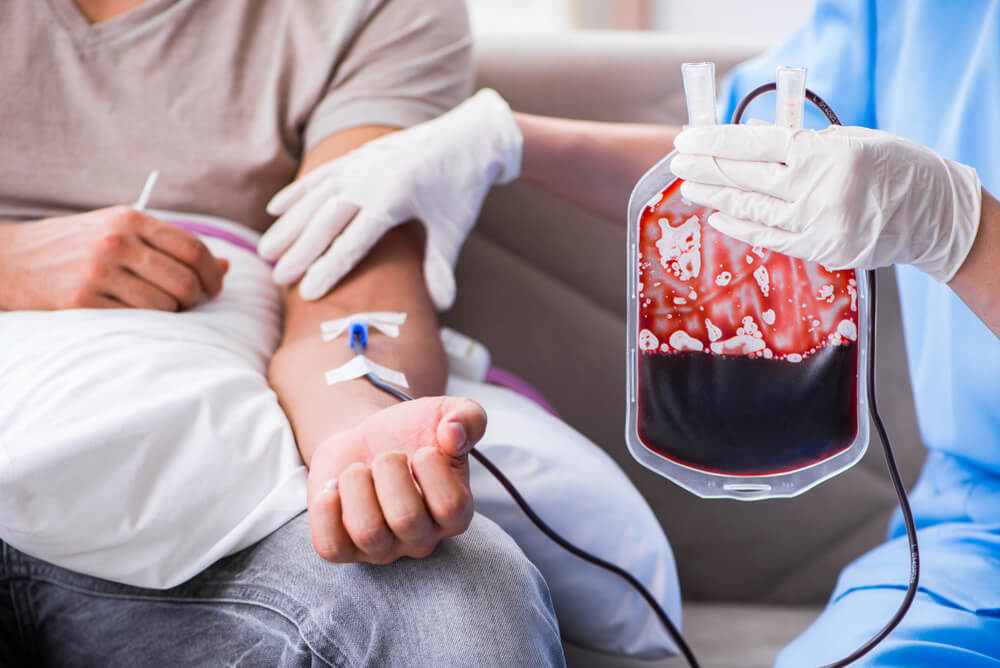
{"x": 791, "y": 92}
{"x": 699, "y": 91}
{"x": 359, "y": 335}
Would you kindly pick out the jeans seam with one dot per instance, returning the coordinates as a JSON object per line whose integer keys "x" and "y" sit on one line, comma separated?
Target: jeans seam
{"x": 23, "y": 617}
{"x": 340, "y": 661}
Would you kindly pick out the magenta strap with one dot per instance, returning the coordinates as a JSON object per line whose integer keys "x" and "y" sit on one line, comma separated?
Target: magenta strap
{"x": 217, "y": 233}
{"x": 503, "y": 378}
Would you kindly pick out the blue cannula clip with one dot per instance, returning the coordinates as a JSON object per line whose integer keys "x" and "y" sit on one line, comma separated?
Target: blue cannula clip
{"x": 359, "y": 333}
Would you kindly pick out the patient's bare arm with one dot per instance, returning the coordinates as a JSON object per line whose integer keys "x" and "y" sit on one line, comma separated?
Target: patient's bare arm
{"x": 400, "y": 470}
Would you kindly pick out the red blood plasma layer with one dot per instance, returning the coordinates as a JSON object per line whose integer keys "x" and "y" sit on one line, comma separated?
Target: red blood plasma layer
{"x": 747, "y": 358}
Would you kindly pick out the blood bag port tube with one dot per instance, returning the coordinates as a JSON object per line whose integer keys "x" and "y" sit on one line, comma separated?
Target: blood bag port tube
{"x": 791, "y": 93}
{"x": 699, "y": 89}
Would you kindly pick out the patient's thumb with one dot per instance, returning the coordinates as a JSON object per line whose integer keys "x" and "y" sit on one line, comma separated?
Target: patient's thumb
{"x": 461, "y": 427}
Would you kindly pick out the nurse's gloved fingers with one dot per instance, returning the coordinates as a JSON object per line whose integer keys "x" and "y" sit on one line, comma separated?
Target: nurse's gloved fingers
{"x": 769, "y": 178}
{"x": 440, "y": 279}
{"x": 402, "y": 505}
{"x": 764, "y": 143}
{"x": 326, "y": 524}
{"x": 754, "y": 234}
{"x": 363, "y": 517}
{"x": 294, "y": 191}
{"x": 738, "y": 203}
{"x": 324, "y": 226}
{"x": 347, "y": 250}
{"x": 445, "y": 484}
{"x": 283, "y": 233}
{"x": 286, "y": 197}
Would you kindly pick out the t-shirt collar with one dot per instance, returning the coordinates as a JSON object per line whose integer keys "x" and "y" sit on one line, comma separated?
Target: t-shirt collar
{"x": 84, "y": 33}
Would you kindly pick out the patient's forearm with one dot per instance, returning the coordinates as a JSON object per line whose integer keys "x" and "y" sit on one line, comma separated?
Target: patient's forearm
{"x": 389, "y": 279}
{"x": 594, "y": 165}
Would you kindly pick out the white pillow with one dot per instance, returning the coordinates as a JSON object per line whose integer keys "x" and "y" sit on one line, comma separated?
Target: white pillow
{"x": 142, "y": 446}
{"x": 579, "y": 491}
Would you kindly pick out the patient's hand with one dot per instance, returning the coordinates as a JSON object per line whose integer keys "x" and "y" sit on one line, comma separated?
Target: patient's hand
{"x": 400, "y": 481}
{"x": 110, "y": 258}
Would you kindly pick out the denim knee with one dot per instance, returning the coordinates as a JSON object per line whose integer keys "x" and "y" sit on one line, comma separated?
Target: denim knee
{"x": 509, "y": 620}
{"x": 476, "y": 600}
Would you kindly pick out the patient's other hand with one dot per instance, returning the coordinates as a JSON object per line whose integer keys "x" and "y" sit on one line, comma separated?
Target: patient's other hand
{"x": 109, "y": 258}
{"x": 397, "y": 483}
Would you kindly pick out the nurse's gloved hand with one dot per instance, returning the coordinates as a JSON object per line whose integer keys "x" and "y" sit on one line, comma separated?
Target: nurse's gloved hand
{"x": 845, "y": 197}
{"x": 437, "y": 172}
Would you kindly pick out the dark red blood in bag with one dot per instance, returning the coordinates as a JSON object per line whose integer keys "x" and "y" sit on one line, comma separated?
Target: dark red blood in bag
{"x": 747, "y": 358}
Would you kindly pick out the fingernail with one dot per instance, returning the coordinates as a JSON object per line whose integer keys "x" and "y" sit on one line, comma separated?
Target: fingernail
{"x": 330, "y": 486}
{"x": 459, "y": 436}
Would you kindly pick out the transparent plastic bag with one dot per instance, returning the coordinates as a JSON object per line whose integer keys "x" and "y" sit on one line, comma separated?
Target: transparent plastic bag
{"x": 745, "y": 366}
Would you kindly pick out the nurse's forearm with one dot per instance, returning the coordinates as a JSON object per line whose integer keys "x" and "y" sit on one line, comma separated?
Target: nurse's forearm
{"x": 594, "y": 165}
{"x": 978, "y": 279}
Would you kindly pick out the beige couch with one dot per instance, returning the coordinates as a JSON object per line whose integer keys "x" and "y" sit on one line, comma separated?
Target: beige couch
{"x": 542, "y": 284}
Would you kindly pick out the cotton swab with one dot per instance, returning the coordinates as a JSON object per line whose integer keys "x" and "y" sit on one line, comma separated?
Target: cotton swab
{"x": 147, "y": 190}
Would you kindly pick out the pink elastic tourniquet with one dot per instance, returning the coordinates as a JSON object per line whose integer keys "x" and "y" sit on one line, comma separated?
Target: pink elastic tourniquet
{"x": 503, "y": 378}
{"x": 209, "y": 231}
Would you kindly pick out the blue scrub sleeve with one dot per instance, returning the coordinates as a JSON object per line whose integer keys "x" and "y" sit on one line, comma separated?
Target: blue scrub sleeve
{"x": 837, "y": 47}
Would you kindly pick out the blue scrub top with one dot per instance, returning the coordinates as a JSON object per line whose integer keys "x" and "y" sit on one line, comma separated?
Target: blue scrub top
{"x": 928, "y": 71}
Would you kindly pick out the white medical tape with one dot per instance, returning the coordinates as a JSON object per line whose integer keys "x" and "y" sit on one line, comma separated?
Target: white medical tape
{"x": 361, "y": 365}
{"x": 388, "y": 330}
{"x": 386, "y": 322}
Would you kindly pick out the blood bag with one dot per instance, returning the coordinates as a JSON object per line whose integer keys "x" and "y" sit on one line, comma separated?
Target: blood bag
{"x": 745, "y": 366}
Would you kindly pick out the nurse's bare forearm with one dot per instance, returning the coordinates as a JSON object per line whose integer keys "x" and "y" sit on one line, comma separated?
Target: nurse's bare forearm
{"x": 978, "y": 279}
{"x": 389, "y": 279}
{"x": 594, "y": 165}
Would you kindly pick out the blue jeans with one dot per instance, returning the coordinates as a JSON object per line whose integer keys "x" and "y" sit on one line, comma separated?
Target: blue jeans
{"x": 477, "y": 601}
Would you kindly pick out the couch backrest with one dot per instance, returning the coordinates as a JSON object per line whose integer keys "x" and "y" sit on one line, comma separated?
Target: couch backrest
{"x": 542, "y": 283}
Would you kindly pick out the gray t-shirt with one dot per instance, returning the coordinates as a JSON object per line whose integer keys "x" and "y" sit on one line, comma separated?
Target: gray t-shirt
{"x": 224, "y": 97}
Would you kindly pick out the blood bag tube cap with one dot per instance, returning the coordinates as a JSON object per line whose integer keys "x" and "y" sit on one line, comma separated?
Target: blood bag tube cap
{"x": 791, "y": 92}
{"x": 699, "y": 90}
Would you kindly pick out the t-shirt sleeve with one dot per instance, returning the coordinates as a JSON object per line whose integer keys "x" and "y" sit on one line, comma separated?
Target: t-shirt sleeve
{"x": 836, "y": 45}
{"x": 409, "y": 61}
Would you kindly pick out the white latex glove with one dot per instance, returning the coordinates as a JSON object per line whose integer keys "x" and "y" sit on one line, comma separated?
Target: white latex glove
{"x": 437, "y": 172}
{"x": 845, "y": 197}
